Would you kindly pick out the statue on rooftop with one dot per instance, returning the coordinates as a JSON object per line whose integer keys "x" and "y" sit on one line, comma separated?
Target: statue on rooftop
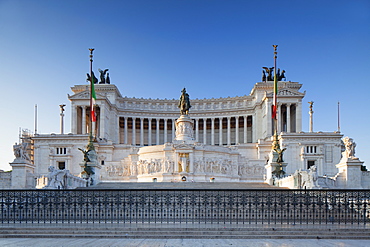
{"x": 89, "y": 78}
{"x": 107, "y": 80}
{"x": 282, "y": 75}
{"x": 263, "y": 76}
{"x": 102, "y": 75}
{"x": 184, "y": 103}
{"x": 350, "y": 146}
{"x": 269, "y": 73}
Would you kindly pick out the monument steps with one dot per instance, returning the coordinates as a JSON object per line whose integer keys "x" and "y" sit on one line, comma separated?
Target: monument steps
{"x": 183, "y": 185}
{"x": 226, "y": 232}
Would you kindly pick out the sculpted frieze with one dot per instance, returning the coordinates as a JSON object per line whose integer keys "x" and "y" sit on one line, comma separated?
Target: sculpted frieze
{"x": 215, "y": 166}
{"x": 246, "y": 170}
{"x": 118, "y": 170}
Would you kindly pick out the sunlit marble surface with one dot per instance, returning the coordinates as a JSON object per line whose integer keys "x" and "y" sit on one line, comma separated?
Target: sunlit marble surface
{"x": 86, "y": 242}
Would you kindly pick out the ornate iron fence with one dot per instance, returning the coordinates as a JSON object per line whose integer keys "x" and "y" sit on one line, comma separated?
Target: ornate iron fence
{"x": 186, "y": 206}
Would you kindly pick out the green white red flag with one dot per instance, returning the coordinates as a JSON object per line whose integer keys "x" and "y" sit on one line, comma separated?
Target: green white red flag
{"x": 92, "y": 100}
{"x": 274, "y": 104}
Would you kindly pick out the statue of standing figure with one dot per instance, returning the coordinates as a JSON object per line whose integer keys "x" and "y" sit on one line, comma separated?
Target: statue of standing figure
{"x": 184, "y": 103}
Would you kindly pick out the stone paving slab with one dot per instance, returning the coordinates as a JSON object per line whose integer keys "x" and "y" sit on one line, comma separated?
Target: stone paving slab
{"x": 76, "y": 242}
{"x": 108, "y": 225}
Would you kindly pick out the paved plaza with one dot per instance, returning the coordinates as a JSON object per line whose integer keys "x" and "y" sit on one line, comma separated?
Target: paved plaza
{"x": 86, "y": 242}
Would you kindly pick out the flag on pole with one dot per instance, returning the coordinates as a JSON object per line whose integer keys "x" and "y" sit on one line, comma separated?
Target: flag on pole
{"x": 274, "y": 105}
{"x": 92, "y": 100}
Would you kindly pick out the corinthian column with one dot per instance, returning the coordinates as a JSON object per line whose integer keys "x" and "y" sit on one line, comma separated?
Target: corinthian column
{"x": 197, "y": 130}
{"x": 245, "y": 129}
{"x": 149, "y": 131}
{"x": 125, "y": 130}
{"x": 141, "y": 131}
{"x": 157, "y": 132}
{"x": 205, "y": 130}
{"x": 288, "y": 118}
{"x": 236, "y": 130}
{"x": 83, "y": 120}
{"x": 229, "y": 131}
{"x": 212, "y": 131}
{"x": 133, "y": 132}
{"x": 165, "y": 130}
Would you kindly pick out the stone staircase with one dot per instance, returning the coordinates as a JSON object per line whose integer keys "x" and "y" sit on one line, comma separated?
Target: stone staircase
{"x": 187, "y": 231}
{"x": 184, "y": 185}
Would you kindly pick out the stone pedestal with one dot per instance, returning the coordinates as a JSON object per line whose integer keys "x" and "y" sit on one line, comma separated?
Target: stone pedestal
{"x": 352, "y": 174}
{"x": 271, "y": 167}
{"x": 184, "y": 129}
{"x": 22, "y": 174}
{"x": 93, "y": 179}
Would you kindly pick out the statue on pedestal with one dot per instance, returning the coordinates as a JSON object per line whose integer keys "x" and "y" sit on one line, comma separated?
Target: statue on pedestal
{"x": 350, "y": 147}
{"x": 278, "y": 157}
{"x": 184, "y": 103}
{"x": 56, "y": 178}
{"x": 20, "y": 151}
{"x": 87, "y": 169}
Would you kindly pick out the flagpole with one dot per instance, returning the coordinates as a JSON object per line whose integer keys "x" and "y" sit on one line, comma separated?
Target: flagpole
{"x": 275, "y": 89}
{"x": 338, "y": 116}
{"x": 35, "y": 119}
{"x": 91, "y": 88}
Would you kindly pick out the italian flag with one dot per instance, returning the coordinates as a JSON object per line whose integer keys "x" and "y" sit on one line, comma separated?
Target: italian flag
{"x": 92, "y": 101}
{"x": 274, "y": 105}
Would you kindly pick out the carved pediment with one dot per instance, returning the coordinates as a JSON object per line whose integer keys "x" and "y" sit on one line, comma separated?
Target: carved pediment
{"x": 85, "y": 95}
{"x": 286, "y": 92}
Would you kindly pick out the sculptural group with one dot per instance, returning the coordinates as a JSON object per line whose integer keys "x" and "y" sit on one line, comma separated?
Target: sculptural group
{"x": 104, "y": 77}
{"x": 268, "y": 76}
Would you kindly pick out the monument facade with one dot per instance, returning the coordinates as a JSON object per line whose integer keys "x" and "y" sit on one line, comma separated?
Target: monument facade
{"x": 199, "y": 140}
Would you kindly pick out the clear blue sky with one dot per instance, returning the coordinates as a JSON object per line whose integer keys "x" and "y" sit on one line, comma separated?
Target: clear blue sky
{"x": 214, "y": 48}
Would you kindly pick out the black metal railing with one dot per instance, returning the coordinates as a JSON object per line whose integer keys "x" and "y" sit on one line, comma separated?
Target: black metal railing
{"x": 186, "y": 206}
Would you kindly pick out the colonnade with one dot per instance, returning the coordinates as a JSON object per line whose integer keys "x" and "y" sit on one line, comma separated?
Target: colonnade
{"x": 287, "y": 118}
{"x": 143, "y": 131}
{"x": 82, "y": 123}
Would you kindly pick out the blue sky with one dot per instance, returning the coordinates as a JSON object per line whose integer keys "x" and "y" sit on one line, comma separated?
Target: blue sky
{"x": 214, "y": 48}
